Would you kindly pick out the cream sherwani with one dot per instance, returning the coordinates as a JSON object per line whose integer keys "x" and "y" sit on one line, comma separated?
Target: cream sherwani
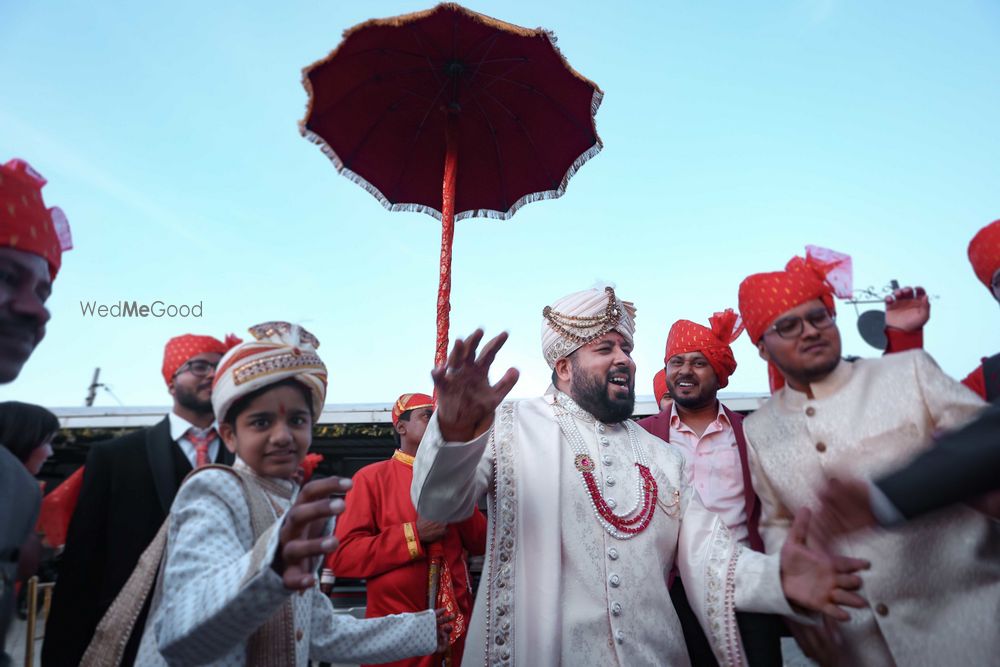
{"x": 217, "y": 587}
{"x": 934, "y": 584}
{"x": 557, "y": 588}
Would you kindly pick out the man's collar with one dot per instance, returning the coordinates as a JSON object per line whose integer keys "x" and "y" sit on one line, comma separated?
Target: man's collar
{"x": 180, "y": 426}
{"x": 821, "y": 389}
{"x": 675, "y": 418}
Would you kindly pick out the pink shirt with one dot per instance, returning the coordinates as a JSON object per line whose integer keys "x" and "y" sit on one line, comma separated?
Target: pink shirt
{"x": 712, "y": 466}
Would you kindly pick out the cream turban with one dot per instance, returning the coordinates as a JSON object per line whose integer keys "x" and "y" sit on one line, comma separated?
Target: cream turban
{"x": 280, "y": 351}
{"x": 575, "y": 320}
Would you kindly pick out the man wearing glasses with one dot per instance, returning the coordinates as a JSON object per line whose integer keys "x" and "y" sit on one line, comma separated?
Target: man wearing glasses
{"x": 128, "y": 487}
{"x": 834, "y": 418}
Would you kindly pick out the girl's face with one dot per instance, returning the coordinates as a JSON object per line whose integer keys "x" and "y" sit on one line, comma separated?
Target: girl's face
{"x": 39, "y": 455}
{"x": 273, "y": 433}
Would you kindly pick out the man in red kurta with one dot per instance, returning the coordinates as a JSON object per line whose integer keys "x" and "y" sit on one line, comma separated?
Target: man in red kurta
{"x": 383, "y": 540}
{"x": 984, "y": 255}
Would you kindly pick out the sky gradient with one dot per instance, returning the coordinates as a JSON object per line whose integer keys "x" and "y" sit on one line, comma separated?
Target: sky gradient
{"x": 735, "y": 134}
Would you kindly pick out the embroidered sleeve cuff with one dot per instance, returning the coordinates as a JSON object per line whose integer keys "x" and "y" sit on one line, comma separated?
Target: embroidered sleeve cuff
{"x": 758, "y": 587}
{"x": 412, "y": 540}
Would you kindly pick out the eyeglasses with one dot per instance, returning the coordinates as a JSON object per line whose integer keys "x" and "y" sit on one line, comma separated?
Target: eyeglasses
{"x": 198, "y": 367}
{"x": 792, "y": 327}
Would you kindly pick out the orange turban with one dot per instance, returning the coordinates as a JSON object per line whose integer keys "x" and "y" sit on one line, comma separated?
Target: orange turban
{"x": 181, "y": 348}
{"x": 821, "y": 274}
{"x": 408, "y": 402}
{"x": 660, "y": 385}
{"x": 25, "y": 223}
{"x": 984, "y": 253}
{"x": 712, "y": 341}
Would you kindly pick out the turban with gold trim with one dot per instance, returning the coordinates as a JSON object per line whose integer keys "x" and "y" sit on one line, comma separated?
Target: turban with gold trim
{"x": 280, "y": 351}
{"x": 408, "y": 402}
{"x": 581, "y": 317}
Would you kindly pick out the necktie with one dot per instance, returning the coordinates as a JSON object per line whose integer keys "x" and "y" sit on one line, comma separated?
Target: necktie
{"x": 200, "y": 439}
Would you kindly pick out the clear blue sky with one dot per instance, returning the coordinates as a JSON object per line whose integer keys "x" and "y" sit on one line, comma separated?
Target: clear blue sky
{"x": 735, "y": 133}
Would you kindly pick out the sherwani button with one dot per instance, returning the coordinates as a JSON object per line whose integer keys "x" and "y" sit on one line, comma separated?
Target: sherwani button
{"x": 605, "y": 441}
{"x": 620, "y": 637}
{"x": 600, "y": 428}
{"x": 610, "y": 481}
{"x": 298, "y": 635}
{"x": 606, "y": 459}
{"x": 614, "y": 580}
{"x": 616, "y": 609}
{"x": 881, "y": 609}
{"x": 810, "y": 411}
{"x": 612, "y": 503}
{"x": 613, "y": 553}
{"x": 820, "y": 447}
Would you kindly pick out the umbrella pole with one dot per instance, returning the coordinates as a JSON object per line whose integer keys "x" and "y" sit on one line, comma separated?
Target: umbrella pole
{"x": 447, "y": 239}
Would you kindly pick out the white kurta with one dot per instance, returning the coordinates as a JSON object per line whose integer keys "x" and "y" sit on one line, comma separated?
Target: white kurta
{"x": 218, "y": 587}
{"x": 934, "y": 584}
{"x": 556, "y": 587}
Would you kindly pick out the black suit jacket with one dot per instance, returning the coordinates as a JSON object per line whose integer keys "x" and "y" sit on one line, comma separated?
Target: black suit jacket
{"x": 960, "y": 466}
{"x": 128, "y": 486}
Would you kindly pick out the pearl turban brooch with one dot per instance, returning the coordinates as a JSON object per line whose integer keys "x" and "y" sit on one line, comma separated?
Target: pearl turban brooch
{"x": 280, "y": 351}
{"x": 581, "y": 317}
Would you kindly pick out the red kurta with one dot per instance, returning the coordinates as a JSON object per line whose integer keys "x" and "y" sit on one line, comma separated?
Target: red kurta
{"x": 373, "y": 546}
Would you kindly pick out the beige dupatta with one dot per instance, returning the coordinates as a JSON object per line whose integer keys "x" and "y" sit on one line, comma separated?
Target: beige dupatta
{"x": 271, "y": 645}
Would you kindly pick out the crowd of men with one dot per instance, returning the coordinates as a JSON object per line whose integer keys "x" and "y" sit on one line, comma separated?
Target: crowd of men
{"x": 694, "y": 536}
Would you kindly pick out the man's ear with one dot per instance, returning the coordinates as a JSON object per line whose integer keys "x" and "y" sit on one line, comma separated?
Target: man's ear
{"x": 171, "y": 388}
{"x": 563, "y": 370}
{"x": 400, "y": 427}
{"x": 762, "y": 351}
{"x": 228, "y": 435}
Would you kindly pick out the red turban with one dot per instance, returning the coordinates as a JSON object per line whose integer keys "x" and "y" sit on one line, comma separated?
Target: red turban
{"x": 984, "y": 253}
{"x": 410, "y": 402}
{"x": 660, "y": 385}
{"x": 822, "y": 274}
{"x": 25, "y": 223}
{"x": 712, "y": 341}
{"x": 181, "y": 348}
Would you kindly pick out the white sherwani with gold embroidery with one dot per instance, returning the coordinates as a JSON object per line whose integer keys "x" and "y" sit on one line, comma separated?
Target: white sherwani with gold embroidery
{"x": 557, "y": 588}
{"x": 934, "y": 584}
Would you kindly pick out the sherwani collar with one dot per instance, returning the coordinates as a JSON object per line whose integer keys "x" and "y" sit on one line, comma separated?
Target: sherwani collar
{"x": 828, "y": 386}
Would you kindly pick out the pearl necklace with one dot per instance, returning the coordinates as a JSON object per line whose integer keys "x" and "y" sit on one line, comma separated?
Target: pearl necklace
{"x": 619, "y": 526}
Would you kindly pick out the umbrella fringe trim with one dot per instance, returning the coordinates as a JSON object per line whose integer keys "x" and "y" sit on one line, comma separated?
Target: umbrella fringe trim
{"x": 490, "y": 214}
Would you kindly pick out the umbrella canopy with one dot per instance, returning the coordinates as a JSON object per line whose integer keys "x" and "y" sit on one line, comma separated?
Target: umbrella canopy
{"x": 452, "y": 113}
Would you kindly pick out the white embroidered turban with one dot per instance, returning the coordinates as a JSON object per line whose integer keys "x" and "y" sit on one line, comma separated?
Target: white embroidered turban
{"x": 280, "y": 351}
{"x": 575, "y": 320}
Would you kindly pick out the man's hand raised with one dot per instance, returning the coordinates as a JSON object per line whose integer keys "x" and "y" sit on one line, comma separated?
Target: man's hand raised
{"x": 815, "y": 580}
{"x": 907, "y": 308}
{"x": 465, "y": 399}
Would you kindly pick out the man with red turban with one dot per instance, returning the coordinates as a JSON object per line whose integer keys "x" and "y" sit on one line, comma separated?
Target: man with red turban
{"x": 860, "y": 419}
{"x": 128, "y": 486}
{"x": 984, "y": 255}
{"x": 32, "y": 240}
{"x": 698, "y": 362}
{"x": 400, "y": 554}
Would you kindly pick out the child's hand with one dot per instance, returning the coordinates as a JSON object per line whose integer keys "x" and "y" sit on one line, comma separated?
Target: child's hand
{"x": 301, "y": 539}
{"x": 444, "y": 628}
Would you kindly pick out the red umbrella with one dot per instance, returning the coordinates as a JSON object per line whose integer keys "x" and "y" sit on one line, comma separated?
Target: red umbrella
{"x": 397, "y": 103}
